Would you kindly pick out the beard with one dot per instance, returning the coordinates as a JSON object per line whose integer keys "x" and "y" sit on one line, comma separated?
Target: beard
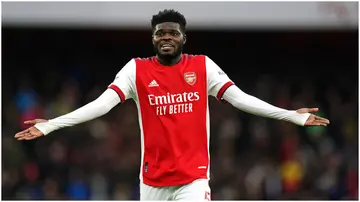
{"x": 169, "y": 57}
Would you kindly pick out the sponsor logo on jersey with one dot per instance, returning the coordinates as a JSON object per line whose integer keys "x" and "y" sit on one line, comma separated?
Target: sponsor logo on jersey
{"x": 173, "y": 103}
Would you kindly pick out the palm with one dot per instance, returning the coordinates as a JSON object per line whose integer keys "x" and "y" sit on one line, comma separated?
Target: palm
{"x": 30, "y": 133}
{"x": 313, "y": 120}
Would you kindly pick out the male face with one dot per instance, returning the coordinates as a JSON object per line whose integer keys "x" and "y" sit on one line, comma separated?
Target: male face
{"x": 168, "y": 39}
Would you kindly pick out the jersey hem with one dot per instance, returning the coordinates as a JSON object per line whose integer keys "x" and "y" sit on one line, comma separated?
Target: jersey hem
{"x": 174, "y": 183}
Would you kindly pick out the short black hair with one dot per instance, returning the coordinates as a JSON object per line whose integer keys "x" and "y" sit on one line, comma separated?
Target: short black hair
{"x": 168, "y": 15}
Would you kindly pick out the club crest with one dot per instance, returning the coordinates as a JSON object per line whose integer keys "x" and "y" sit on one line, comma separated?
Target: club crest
{"x": 190, "y": 77}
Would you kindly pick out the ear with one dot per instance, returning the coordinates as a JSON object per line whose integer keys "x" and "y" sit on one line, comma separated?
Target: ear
{"x": 185, "y": 38}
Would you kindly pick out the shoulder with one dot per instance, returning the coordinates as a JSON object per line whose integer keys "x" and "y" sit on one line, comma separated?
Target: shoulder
{"x": 143, "y": 59}
{"x": 203, "y": 59}
{"x": 196, "y": 58}
{"x": 129, "y": 67}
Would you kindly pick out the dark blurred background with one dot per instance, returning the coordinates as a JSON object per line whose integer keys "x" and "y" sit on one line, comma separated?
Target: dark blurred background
{"x": 48, "y": 71}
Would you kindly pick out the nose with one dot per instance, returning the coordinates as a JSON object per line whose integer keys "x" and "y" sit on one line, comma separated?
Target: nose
{"x": 167, "y": 36}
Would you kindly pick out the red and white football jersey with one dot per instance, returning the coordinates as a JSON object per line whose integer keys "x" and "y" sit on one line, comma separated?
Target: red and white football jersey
{"x": 173, "y": 112}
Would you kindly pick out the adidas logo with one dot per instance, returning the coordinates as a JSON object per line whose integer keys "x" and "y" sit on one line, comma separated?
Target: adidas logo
{"x": 153, "y": 84}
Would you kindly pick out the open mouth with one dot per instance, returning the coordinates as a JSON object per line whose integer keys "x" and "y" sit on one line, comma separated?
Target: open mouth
{"x": 167, "y": 47}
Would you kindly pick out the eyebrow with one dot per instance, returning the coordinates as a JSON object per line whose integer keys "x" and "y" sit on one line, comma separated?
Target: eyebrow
{"x": 167, "y": 26}
{"x": 171, "y": 30}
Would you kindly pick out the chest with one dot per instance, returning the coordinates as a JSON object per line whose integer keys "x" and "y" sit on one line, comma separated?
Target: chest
{"x": 188, "y": 77}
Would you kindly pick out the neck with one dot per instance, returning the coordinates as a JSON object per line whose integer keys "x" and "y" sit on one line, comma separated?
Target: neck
{"x": 168, "y": 61}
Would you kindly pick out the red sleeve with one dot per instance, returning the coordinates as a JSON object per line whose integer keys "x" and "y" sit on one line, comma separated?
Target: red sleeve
{"x": 222, "y": 91}
{"x": 118, "y": 91}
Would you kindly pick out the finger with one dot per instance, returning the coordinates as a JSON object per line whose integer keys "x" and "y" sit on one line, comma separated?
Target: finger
{"x": 317, "y": 124}
{"x": 322, "y": 123}
{"x": 17, "y": 135}
{"x": 318, "y": 118}
{"x": 29, "y": 137}
{"x": 25, "y": 138}
{"x": 30, "y": 122}
{"x": 313, "y": 109}
{"x": 33, "y": 136}
{"x": 22, "y": 133}
{"x": 21, "y": 138}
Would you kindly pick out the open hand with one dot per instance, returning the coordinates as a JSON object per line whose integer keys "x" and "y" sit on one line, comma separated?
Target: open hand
{"x": 313, "y": 120}
{"x": 32, "y": 132}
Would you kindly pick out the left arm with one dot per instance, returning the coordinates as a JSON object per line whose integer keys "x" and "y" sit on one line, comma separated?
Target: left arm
{"x": 253, "y": 105}
{"x": 221, "y": 87}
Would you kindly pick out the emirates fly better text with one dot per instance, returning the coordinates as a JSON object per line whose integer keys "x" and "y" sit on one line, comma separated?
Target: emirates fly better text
{"x": 173, "y": 103}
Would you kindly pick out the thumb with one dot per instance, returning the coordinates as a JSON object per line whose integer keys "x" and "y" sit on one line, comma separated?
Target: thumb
{"x": 30, "y": 122}
{"x": 307, "y": 110}
{"x": 35, "y": 121}
{"x": 313, "y": 109}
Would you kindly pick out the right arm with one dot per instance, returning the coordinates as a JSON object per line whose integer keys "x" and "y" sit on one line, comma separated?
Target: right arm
{"x": 121, "y": 89}
{"x": 102, "y": 105}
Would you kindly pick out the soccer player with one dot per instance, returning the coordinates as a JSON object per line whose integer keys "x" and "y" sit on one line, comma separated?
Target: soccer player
{"x": 171, "y": 92}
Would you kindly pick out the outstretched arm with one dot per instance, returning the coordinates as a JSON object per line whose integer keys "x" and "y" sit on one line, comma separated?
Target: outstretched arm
{"x": 253, "y": 105}
{"x": 102, "y": 105}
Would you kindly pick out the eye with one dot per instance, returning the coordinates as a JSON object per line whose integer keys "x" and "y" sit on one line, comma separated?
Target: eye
{"x": 159, "y": 34}
{"x": 175, "y": 33}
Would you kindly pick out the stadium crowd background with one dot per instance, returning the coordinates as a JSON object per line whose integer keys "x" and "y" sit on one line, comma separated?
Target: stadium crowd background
{"x": 47, "y": 72}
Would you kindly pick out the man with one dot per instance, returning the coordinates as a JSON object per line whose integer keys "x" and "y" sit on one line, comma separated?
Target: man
{"x": 171, "y": 92}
